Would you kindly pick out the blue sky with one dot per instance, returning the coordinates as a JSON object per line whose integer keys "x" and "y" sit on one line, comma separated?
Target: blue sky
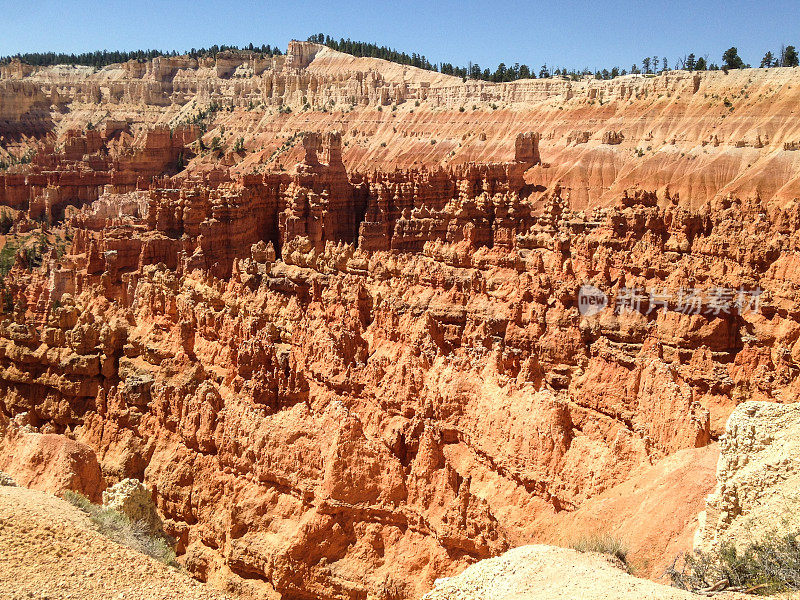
{"x": 572, "y": 34}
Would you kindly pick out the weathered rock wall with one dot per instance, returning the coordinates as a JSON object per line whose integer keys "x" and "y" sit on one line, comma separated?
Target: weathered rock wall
{"x": 345, "y": 379}
{"x": 703, "y": 135}
{"x": 756, "y": 497}
{"x": 340, "y": 421}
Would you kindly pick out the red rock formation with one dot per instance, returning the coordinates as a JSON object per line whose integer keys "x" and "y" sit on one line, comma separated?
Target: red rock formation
{"x": 87, "y": 162}
{"x": 702, "y": 134}
{"x": 51, "y": 463}
{"x": 427, "y": 398}
{"x": 346, "y": 381}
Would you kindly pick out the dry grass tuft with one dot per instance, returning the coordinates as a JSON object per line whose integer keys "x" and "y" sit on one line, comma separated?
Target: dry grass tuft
{"x": 604, "y": 544}
{"x": 119, "y": 528}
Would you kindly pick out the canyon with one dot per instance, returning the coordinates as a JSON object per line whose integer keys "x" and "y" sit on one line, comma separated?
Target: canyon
{"x": 328, "y": 309}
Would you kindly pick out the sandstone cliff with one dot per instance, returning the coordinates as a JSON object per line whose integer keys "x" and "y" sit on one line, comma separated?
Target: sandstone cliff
{"x": 756, "y": 496}
{"x": 702, "y": 134}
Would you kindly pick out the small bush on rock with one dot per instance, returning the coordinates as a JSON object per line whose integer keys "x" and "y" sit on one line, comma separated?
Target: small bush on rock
{"x": 765, "y": 567}
{"x": 119, "y": 528}
{"x": 6, "y": 223}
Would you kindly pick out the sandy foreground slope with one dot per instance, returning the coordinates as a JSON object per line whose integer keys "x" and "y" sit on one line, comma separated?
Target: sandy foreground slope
{"x": 48, "y": 549}
{"x": 550, "y": 573}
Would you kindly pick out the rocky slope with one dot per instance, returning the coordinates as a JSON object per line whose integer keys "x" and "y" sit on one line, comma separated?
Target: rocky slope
{"x": 756, "y": 496}
{"x": 653, "y": 514}
{"x": 49, "y": 549}
{"x": 345, "y": 382}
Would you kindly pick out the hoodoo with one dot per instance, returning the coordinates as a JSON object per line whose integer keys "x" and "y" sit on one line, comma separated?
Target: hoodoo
{"x": 356, "y": 326}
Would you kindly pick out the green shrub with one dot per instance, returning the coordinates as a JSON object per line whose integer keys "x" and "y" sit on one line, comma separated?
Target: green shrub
{"x": 7, "y": 256}
{"x": 79, "y": 500}
{"x": 34, "y": 256}
{"x": 119, "y": 528}
{"x": 17, "y": 160}
{"x": 766, "y": 567}
{"x": 6, "y": 223}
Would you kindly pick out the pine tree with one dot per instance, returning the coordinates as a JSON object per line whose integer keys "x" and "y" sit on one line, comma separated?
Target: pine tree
{"x": 731, "y": 59}
{"x": 790, "y": 58}
{"x": 768, "y": 60}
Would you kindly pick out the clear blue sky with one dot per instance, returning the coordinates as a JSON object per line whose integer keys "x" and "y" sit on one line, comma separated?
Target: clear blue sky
{"x": 572, "y": 34}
